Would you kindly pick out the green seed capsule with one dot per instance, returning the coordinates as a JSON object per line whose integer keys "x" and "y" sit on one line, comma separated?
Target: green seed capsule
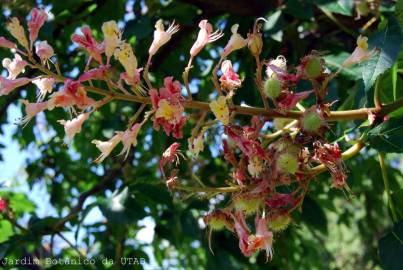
{"x": 311, "y": 122}
{"x": 272, "y": 88}
{"x": 280, "y": 223}
{"x": 287, "y": 163}
{"x": 248, "y": 204}
{"x": 313, "y": 67}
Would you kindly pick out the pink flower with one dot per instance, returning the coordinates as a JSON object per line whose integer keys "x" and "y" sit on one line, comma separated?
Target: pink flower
{"x": 242, "y": 231}
{"x": 229, "y": 79}
{"x": 88, "y": 42}
{"x": 6, "y": 85}
{"x": 106, "y": 147}
{"x": 360, "y": 53}
{"x": 129, "y": 139}
{"x": 73, "y": 126}
{"x": 168, "y": 107}
{"x": 236, "y": 42}
{"x": 330, "y": 155}
{"x": 45, "y": 85}
{"x": 133, "y": 81}
{"x": 205, "y": 36}
{"x": 171, "y": 154}
{"x": 38, "y": 18}
{"x": 5, "y": 43}
{"x": 32, "y": 109}
{"x": 229, "y": 154}
{"x": 15, "y": 66}
{"x": 251, "y": 148}
{"x": 3, "y": 205}
{"x": 72, "y": 94}
{"x": 161, "y": 36}
{"x": 288, "y": 99}
{"x": 279, "y": 200}
{"x": 44, "y": 50}
{"x": 99, "y": 73}
{"x": 262, "y": 239}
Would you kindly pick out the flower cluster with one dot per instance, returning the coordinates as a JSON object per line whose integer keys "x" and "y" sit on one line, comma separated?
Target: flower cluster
{"x": 259, "y": 164}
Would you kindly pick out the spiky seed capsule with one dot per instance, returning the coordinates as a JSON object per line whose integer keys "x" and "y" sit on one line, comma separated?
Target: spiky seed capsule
{"x": 272, "y": 88}
{"x": 249, "y": 204}
{"x": 311, "y": 122}
{"x": 279, "y": 223}
{"x": 288, "y": 146}
{"x": 217, "y": 220}
{"x": 287, "y": 163}
{"x": 217, "y": 224}
{"x": 313, "y": 67}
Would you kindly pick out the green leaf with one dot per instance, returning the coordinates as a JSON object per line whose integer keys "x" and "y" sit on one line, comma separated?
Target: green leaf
{"x": 294, "y": 8}
{"x": 399, "y": 12}
{"x": 273, "y": 26}
{"x": 397, "y": 199}
{"x": 388, "y": 41}
{"x": 344, "y": 7}
{"x": 41, "y": 226}
{"x": 391, "y": 248}
{"x": 387, "y": 137}
{"x": 313, "y": 215}
{"x": 6, "y": 230}
{"x": 121, "y": 209}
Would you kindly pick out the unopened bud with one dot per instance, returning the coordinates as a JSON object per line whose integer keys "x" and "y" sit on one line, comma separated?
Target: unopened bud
{"x": 255, "y": 43}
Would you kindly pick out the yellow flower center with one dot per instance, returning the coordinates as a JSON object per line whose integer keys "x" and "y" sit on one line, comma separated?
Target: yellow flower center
{"x": 165, "y": 110}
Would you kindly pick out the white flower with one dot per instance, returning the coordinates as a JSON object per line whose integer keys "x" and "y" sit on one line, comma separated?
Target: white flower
{"x": 14, "y": 67}
{"x": 279, "y": 62}
{"x": 129, "y": 139}
{"x": 73, "y": 126}
{"x": 106, "y": 147}
{"x": 124, "y": 54}
{"x": 236, "y": 42}
{"x": 161, "y": 36}
{"x": 44, "y": 50}
{"x": 45, "y": 86}
{"x": 197, "y": 145}
{"x": 112, "y": 37}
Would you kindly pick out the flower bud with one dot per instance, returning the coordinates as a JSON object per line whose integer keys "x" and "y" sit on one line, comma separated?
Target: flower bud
{"x": 279, "y": 223}
{"x": 311, "y": 122}
{"x": 287, "y": 163}
{"x": 250, "y": 203}
{"x": 272, "y": 88}
{"x": 255, "y": 43}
